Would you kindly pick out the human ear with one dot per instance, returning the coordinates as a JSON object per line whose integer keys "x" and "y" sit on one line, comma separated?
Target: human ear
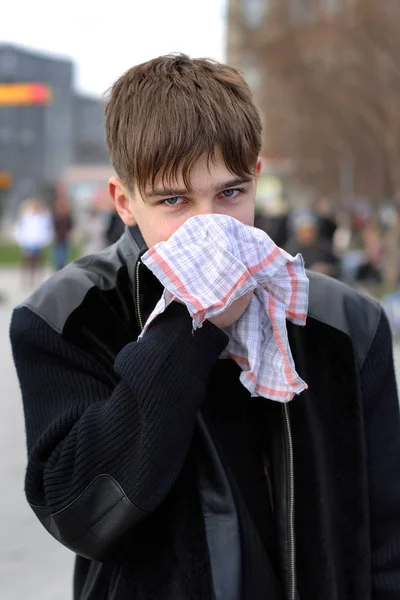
{"x": 122, "y": 202}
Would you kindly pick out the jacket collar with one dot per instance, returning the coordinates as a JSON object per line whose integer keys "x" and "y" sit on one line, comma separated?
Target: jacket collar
{"x": 131, "y": 246}
{"x": 137, "y": 238}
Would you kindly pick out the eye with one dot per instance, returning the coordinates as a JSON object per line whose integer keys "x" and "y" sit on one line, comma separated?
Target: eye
{"x": 173, "y": 201}
{"x": 230, "y": 193}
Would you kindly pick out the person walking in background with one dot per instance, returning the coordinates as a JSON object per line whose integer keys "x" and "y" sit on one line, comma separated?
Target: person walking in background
{"x": 62, "y": 223}
{"x": 94, "y": 231}
{"x": 274, "y": 222}
{"x": 33, "y": 233}
{"x": 326, "y": 218}
{"x": 370, "y": 269}
{"x": 316, "y": 250}
{"x": 115, "y": 227}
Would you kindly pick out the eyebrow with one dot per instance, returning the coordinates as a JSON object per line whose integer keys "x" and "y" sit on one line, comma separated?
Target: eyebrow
{"x": 172, "y": 192}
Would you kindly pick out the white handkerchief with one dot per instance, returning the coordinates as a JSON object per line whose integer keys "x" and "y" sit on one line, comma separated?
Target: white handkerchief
{"x": 211, "y": 261}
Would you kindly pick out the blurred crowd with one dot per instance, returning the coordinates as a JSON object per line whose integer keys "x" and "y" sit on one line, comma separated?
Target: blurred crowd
{"x": 348, "y": 245}
{"x": 39, "y": 228}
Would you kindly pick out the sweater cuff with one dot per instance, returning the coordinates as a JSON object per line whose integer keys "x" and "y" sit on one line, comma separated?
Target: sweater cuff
{"x": 171, "y": 341}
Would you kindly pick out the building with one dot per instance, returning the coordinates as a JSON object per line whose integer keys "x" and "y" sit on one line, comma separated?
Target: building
{"x": 88, "y": 131}
{"x": 45, "y": 126}
{"x": 263, "y": 39}
{"x": 256, "y": 25}
{"x": 35, "y": 121}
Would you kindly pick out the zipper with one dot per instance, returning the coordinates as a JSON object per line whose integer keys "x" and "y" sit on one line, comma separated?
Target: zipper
{"x": 289, "y": 464}
{"x": 291, "y": 507}
{"x": 138, "y": 312}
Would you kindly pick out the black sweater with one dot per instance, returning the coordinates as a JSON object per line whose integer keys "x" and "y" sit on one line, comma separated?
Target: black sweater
{"x": 79, "y": 423}
{"x": 142, "y": 444}
{"x": 99, "y": 427}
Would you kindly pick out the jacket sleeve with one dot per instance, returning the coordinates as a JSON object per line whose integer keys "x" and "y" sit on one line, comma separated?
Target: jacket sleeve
{"x": 101, "y": 456}
{"x": 382, "y": 422}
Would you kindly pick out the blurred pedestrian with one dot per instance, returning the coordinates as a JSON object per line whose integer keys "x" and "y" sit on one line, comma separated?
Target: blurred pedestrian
{"x": 327, "y": 224}
{"x": 115, "y": 227}
{"x": 33, "y": 233}
{"x": 370, "y": 269}
{"x": 275, "y": 224}
{"x": 63, "y": 223}
{"x": 94, "y": 234}
{"x": 317, "y": 251}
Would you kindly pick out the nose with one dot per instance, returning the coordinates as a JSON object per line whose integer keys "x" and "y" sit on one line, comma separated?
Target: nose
{"x": 204, "y": 207}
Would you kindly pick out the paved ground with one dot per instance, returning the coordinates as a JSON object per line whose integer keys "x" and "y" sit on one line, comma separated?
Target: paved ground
{"x": 32, "y": 565}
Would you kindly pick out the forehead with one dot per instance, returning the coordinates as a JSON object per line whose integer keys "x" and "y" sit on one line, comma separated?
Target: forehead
{"x": 205, "y": 174}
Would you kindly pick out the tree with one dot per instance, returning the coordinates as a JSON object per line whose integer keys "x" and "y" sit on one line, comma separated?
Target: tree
{"x": 330, "y": 94}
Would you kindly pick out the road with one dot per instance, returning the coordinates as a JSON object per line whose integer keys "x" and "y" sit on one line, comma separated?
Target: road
{"x": 32, "y": 565}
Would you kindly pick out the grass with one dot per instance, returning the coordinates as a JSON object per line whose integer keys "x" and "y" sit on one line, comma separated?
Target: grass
{"x": 379, "y": 290}
{"x": 10, "y": 254}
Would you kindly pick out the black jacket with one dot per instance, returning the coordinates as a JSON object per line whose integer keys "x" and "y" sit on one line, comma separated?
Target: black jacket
{"x": 124, "y": 470}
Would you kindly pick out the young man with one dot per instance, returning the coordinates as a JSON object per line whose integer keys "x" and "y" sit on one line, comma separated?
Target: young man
{"x": 148, "y": 458}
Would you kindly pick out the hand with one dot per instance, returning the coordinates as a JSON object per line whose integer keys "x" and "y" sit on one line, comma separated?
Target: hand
{"x": 233, "y": 313}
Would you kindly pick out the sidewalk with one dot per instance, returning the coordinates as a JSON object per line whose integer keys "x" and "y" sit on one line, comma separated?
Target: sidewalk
{"x": 32, "y": 564}
{"x": 11, "y": 289}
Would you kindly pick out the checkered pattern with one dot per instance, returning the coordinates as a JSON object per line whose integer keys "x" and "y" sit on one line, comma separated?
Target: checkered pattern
{"x": 211, "y": 261}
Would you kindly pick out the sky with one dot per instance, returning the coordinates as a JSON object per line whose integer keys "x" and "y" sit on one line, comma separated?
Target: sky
{"x": 104, "y": 39}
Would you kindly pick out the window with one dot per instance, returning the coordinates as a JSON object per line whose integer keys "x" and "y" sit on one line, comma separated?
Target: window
{"x": 254, "y": 12}
{"x": 303, "y": 11}
{"x": 330, "y": 7}
{"x": 27, "y": 137}
{"x": 307, "y": 11}
{"x": 8, "y": 63}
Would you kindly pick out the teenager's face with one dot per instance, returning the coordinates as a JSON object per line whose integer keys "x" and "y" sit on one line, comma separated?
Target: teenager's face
{"x": 160, "y": 212}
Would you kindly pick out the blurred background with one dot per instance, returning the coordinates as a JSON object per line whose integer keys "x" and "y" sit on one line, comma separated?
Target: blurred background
{"x": 326, "y": 77}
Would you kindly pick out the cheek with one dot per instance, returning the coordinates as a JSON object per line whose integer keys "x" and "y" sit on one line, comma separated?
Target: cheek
{"x": 245, "y": 213}
{"x": 159, "y": 227}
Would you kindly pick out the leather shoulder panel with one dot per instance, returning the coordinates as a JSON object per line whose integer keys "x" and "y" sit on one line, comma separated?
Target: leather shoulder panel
{"x": 63, "y": 292}
{"x": 339, "y": 306}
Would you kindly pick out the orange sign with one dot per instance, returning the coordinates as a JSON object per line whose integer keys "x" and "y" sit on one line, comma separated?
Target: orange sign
{"x": 5, "y": 180}
{"x": 25, "y": 94}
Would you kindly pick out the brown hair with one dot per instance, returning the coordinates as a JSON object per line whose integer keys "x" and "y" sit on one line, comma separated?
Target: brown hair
{"x": 162, "y": 115}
